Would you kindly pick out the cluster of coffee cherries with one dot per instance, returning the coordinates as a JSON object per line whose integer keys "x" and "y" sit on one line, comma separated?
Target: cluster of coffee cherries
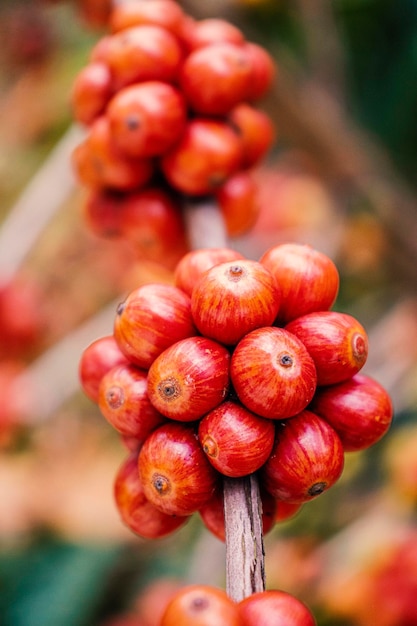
{"x": 239, "y": 367}
{"x": 168, "y": 103}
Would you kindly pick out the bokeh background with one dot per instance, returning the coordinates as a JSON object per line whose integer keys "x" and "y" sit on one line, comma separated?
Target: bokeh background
{"x": 342, "y": 177}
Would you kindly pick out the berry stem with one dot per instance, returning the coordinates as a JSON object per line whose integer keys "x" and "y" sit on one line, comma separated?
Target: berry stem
{"x": 245, "y": 556}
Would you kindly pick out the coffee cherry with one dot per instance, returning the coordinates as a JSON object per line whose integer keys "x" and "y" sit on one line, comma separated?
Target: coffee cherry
{"x": 307, "y": 459}
{"x": 272, "y": 373}
{"x": 176, "y": 475}
{"x": 236, "y": 441}
{"x": 286, "y": 510}
{"x": 91, "y": 91}
{"x": 98, "y": 163}
{"x": 238, "y": 203}
{"x": 151, "y": 319}
{"x": 124, "y": 402}
{"x": 96, "y": 360}
{"x": 189, "y": 378}
{"x": 274, "y": 608}
{"x": 359, "y": 409}
{"x": 309, "y": 280}
{"x": 206, "y": 155}
{"x": 165, "y": 13}
{"x": 233, "y": 298}
{"x": 336, "y": 341}
{"x": 139, "y": 515}
{"x": 146, "y": 119}
{"x": 142, "y": 53}
{"x": 263, "y": 70}
{"x": 101, "y": 211}
{"x": 256, "y": 131}
{"x": 201, "y": 605}
{"x": 208, "y": 31}
{"x": 216, "y": 78}
{"x": 192, "y": 265}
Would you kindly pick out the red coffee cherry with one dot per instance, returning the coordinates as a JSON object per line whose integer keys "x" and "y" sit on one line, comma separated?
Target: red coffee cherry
{"x": 238, "y": 203}
{"x": 274, "y": 608}
{"x": 101, "y": 211}
{"x": 272, "y": 373}
{"x": 208, "y": 31}
{"x": 91, "y": 91}
{"x": 286, "y": 510}
{"x": 123, "y": 400}
{"x": 194, "y": 263}
{"x": 98, "y": 163}
{"x": 165, "y": 13}
{"x": 201, "y": 605}
{"x": 256, "y": 131}
{"x": 96, "y": 360}
{"x": 233, "y": 298}
{"x": 206, "y": 155}
{"x": 136, "y": 512}
{"x": 216, "y": 78}
{"x": 359, "y": 409}
{"x": 100, "y": 50}
{"x": 336, "y": 341}
{"x": 151, "y": 319}
{"x": 307, "y": 459}
{"x": 143, "y": 53}
{"x": 309, "y": 280}
{"x": 236, "y": 441}
{"x": 176, "y": 475}
{"x": 263, "y": 70}
{"x": 146, "y": 119}
{"x": 189, "y": 379}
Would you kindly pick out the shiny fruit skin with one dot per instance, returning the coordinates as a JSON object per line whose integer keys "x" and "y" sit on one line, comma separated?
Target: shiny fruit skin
{"x": 99, "y": 357}
{"x": 176, "y": 476}
{"x": 274, "y": 608}
{"x": 286, "y": 510}
{"x": 151, "y": 319}
{"x": 263, "y": 70}
{"x": 307, "y": 459}
{"x": 212, "y": 513}
{"x": 206, "y": 155}
{"x": 256, "y": 131}
{"x": 124, "y": 402}
{"x": 359, "y": 409}
{"x": 189, "y": 378}
{"x": 165, "y": 13}
{"x": 141, "y": 53}
{"x": 208, "y": 31}
{"x": 201, "y": 605}
{"x": 238, "y": 203}
{"x": 136, "y": 512}
{"x": 147, "y": 118}
{"x": 309, "y": 280}
{"x": 215, "y": 78}
{"x": 337, "y": 342}
{"x": 236, "y": 441}
{"x": 194, "y": 263}
{"x": 233, "y": 298}
{"x": 91, "y": 91}
{"x": 272, "y": 373}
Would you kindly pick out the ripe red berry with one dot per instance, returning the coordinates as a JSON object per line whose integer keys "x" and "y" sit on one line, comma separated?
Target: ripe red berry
{"x": 141, "y": 53}
{"x": 286, "y": 510}
{"x": 96, "y": 360}
{"x": 256, "y": 131}
{"x": 238, "y": 203}
{"x": 307, "y": 459}
{"x": 124, "y": 402}
{"x": 236, "y": 441}
{"x": 309, "y": 280}
{"x": 206, "y": 155}
{"x": 176, "y": 475}
{"x": 135, "y": 510}
{"x": 204, "y": 32}
{"x": 233, "y": 298}
{"x": 216, "y": 78}
{"x": 272, "y": 373}
{"x": 263, "y": 70}
{"x": 336, "y": 341}
{"x": 165, "y": 13}
{"x": 91, "y": 91}
{"x": 201, "y": 605}
{"x": 146, "y": 119}
{"x": 194, "y": 263}
{"x": 189, "y": 378}
{"x": 359, "y": 409}
{"x": 274, "y": 608}
{"x": 101, "y": 211}
{"x": 151, "y": 319}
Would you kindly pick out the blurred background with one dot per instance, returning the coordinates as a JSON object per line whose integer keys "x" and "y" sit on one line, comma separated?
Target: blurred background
{"x": 341, "y": 177}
